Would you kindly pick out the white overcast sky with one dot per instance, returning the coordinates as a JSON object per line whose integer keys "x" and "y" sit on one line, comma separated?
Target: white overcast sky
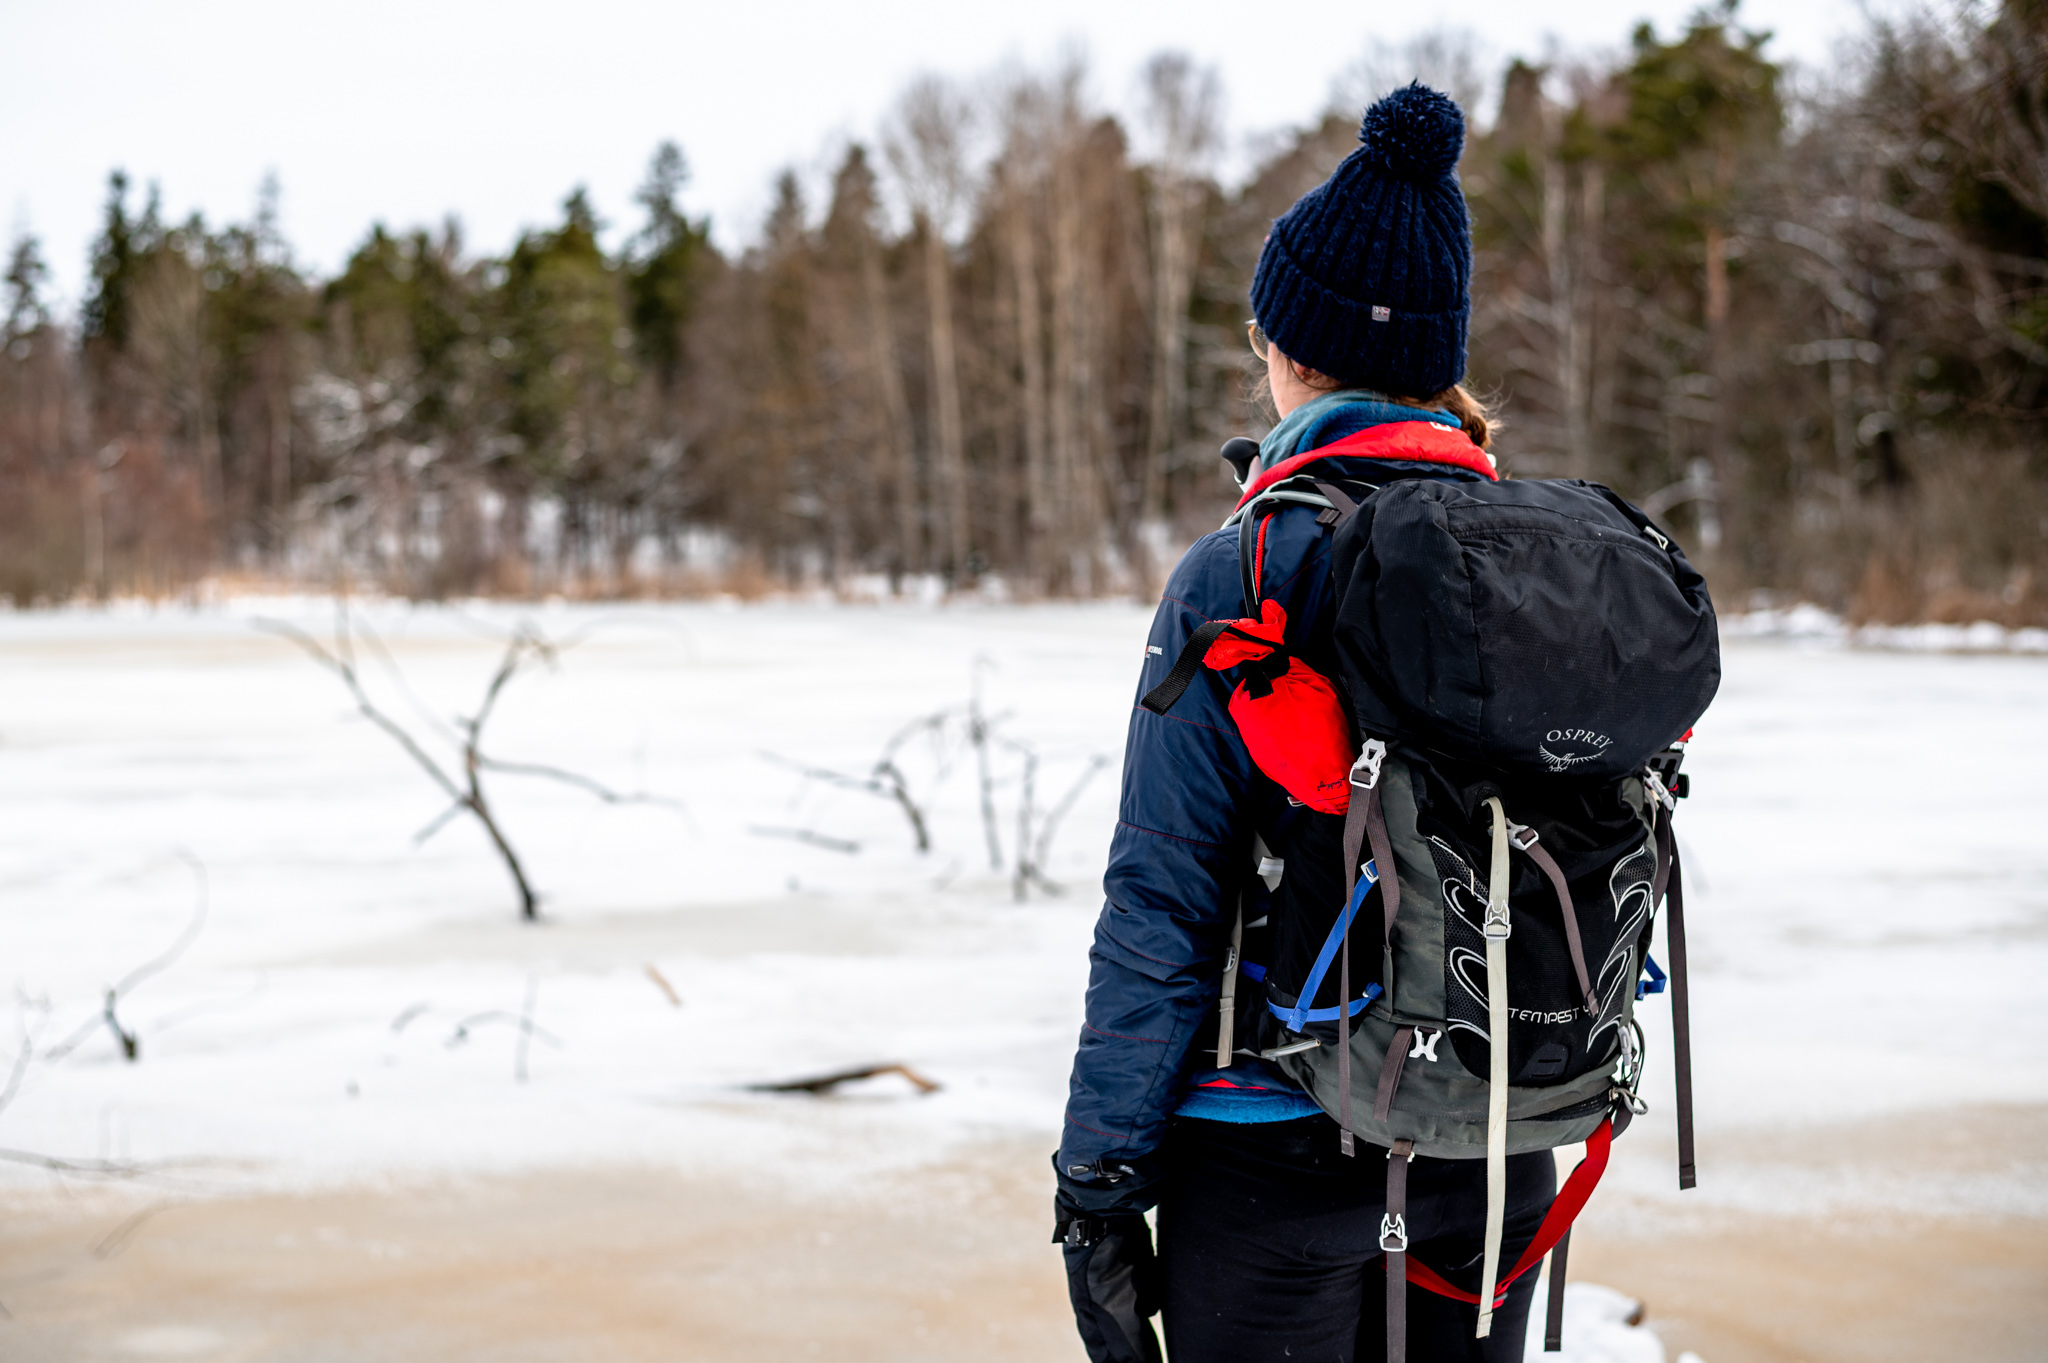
{"x": 407, "y": 112}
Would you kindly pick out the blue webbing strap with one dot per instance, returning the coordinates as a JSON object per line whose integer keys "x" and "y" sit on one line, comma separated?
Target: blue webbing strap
{"x": 1301, "y": 1014}
{"x": 1653, "y": 985}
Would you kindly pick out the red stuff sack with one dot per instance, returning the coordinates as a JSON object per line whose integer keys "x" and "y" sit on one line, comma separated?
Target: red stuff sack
{"x": 1291, "y": 718}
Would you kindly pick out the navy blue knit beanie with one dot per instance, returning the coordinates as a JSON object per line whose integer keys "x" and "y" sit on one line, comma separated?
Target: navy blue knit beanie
{"x": 1367, "y": 278}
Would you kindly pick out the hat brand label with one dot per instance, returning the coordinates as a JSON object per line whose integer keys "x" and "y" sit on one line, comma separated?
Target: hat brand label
{"x": 1382, "y": 314}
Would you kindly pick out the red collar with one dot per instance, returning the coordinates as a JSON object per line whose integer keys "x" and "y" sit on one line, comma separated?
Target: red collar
{"x": 1426, "y": 442}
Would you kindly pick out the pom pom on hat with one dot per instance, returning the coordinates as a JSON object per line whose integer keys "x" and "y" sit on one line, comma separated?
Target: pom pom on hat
{"x": 1367, "y": 278}
{"x": 1415, "y": 133}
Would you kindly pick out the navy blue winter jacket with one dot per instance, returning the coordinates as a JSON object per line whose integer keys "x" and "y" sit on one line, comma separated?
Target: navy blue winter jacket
{"x": 1181, "y": 853}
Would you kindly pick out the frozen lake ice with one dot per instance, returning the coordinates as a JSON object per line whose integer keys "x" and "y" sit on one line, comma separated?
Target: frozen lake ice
{"x": 1868, "y": 892}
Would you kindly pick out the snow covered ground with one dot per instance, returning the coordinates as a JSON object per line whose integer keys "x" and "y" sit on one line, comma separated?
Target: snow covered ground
{"x": 1867, "y": 863}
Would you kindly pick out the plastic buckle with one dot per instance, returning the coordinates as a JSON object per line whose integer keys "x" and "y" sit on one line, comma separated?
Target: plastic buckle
{"x": 1369, "y": 759}
{"x": 1653, "y": 786}
{"x": 1394, "y": 1234}
{"x": 1496, "y": 928}
{"x": 1521, "y": 836}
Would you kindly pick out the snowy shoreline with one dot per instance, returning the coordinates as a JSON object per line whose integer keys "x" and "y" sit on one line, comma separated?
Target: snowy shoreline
{"x": 1802, "y": 622}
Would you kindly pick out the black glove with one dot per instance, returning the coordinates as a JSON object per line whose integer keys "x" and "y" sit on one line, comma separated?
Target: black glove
{"x": 1112, "y": 1280}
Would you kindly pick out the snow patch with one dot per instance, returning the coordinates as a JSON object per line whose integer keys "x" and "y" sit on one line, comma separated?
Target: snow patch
{"x": 1810, "y": 624}
{"x": 1601, "y": 1325}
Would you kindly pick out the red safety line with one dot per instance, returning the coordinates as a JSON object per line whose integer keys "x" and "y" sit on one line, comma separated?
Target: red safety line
{"x": 1570, "y": 1201}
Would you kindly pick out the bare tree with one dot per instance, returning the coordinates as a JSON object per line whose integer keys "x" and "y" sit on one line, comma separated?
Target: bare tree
{"x": 1183, "y": 116}
{"x": 927, "y": 148}
{"x": 1446, "y": 59}
{"x": 1020, "y": 181}
{"x": 464, "y": 788}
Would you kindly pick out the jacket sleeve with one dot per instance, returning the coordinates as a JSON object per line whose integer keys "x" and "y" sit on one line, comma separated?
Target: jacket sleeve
{"x": 1175, "y": 860}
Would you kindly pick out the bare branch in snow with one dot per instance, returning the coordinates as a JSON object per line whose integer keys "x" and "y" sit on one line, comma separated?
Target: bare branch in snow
{"x": 884, "y": 780}
{"x": 806, "y": 836}
{"x": 581, "y": 782}
{"x": 499, "y": 1015}
{"x": 1051, "y": 824}
{"x": 1034, "y": 832}
{"x": 109, "y": 1015}
{"x": 406, "y": 1017}
{"x": 464, "y": 787}
{"x": 949, "y": 729}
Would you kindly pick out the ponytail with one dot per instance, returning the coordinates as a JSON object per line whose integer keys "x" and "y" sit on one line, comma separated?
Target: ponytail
{"x": 1470, "y": 411}
{"x": 1459, "y": 401}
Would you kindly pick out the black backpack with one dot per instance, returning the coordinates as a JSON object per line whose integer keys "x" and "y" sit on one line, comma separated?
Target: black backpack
{"x": 1519, "y": 665}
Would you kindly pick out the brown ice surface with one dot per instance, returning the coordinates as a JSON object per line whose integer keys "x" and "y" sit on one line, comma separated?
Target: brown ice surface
{"x": 952, "y": 1262}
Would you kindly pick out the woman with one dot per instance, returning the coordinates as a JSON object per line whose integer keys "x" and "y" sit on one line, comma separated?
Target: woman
{"x": 1269, "y": 1237}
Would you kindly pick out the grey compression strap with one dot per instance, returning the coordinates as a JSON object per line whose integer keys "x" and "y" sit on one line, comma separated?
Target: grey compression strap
{"x": 1226, "y": 1003}
{"x": 1553, "y": 1312}
{"x": 1365, "y": 822}
{"x": 1549, "y": 867}
{"x": 1365, "y": 797}
{"x": 1390, "y": 1073}
{"x": 1354, "y": 836}
{"x": 1660, "y": 820}
{"x": 1394, "y": 1243}
{"x": 1390, "y": 874}
{"x": 1340, "y": 501}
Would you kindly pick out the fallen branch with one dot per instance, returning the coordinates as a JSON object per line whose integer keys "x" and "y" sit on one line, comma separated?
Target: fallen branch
{"x": 661, "y": 982}
{"x": 825, "y": 1083}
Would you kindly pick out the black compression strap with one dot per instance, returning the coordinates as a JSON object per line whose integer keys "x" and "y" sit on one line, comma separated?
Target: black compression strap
{"x": 1553, "y": 1315}
{"x": 1681, "y": 1018}
{"x": 1162, "y": 697}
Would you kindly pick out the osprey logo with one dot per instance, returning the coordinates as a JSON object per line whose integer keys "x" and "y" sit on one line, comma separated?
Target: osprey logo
{"x": 1564, "y": 749}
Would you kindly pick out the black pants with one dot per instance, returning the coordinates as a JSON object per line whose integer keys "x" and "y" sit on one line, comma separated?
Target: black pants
{"x": 1269, "y": 1243}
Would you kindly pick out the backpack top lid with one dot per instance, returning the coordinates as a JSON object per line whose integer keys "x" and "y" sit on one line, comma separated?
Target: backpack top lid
{"x": 1540, "y": 626}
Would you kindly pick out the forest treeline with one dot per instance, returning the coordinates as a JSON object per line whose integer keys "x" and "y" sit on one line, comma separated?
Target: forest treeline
{"x": 1803, "y": 319}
